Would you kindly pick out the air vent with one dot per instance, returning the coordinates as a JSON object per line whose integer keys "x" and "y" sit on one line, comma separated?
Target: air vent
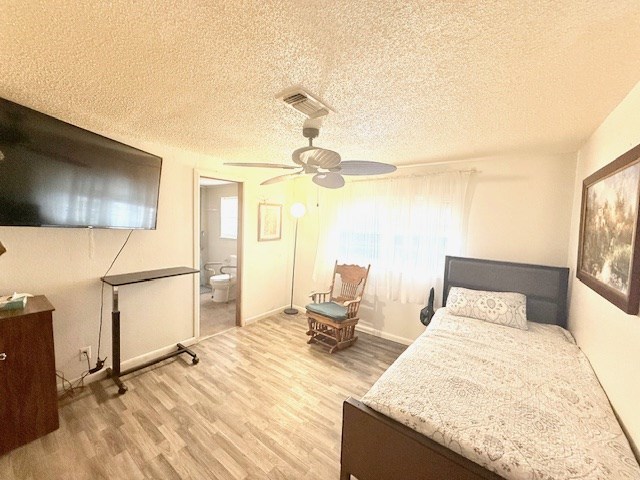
{"x": 305, "y": 102}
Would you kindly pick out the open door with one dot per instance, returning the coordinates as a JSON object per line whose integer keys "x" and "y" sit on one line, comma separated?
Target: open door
{"x": 219, "y": 243}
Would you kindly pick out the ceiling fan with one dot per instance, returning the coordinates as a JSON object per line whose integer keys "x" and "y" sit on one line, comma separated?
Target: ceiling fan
{"x": 325, "y": 165}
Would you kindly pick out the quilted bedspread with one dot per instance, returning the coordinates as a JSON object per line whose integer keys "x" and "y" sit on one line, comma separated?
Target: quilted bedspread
{"x": 522, "y": 403}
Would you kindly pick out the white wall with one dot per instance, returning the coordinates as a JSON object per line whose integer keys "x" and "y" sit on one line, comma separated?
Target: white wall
{"x": 266, "y": 266}
{"x": 519, "y": 210}
{"x": 609, "y": 337}
{"x": 66, "y": 265}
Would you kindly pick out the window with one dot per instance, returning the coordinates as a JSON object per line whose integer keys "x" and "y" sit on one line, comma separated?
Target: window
{"x": 403, "y": 227}
{"x": 229, "y": 217}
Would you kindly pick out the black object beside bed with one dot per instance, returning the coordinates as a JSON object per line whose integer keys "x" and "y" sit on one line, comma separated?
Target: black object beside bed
{"x": 375, "y": 446}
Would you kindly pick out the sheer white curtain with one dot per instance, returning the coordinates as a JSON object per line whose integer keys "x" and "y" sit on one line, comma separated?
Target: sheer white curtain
{"x": 403, "y": 227}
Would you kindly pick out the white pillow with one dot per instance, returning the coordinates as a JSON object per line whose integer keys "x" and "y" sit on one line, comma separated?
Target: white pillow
{"x": 503, "y": 308}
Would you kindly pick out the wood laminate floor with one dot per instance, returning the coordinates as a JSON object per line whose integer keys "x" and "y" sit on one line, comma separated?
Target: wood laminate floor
{"x": 260, "y": 404}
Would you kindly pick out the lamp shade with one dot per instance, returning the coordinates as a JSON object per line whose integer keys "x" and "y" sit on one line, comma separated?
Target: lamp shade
{"x": 297, "y": 210}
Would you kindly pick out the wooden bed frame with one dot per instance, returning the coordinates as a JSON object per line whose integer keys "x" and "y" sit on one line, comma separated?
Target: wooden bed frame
{"x": 376, "y": 447}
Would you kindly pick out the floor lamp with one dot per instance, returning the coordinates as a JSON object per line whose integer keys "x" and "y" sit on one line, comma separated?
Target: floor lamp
{"x": 297, "y": 211}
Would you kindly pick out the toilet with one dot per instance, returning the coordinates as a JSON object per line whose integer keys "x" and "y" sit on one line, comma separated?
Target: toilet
{"x": 223, "y": 285}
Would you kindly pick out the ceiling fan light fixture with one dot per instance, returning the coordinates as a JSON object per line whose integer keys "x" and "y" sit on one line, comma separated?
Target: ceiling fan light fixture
{"x": 328, "y": 180}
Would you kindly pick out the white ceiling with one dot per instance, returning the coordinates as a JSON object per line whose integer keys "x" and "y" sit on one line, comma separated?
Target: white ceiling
{"x": 411, "y": 81}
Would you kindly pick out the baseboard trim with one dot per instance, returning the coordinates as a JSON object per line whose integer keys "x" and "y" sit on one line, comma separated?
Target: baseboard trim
{"x": 139, "y": 360}
{"x": 383, "y": 334}
{"x": 131, "y": 363}
{"x": 262, "y": 316}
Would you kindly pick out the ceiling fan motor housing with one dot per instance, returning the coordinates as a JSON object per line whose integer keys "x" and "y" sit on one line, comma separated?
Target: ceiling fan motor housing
{"x": 310, "y": 132}
{"x": 316, "y": 157}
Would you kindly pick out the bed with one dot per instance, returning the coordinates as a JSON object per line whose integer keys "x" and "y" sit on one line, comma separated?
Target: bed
{"x": 377, "y": 446}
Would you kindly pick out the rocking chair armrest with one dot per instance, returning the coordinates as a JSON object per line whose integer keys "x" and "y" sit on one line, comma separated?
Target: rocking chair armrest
{"x": 352, "y": 306}
{"x": 315, "y": 295}
{"x": 318, "y": 292}
{"x": 350, "y": 302}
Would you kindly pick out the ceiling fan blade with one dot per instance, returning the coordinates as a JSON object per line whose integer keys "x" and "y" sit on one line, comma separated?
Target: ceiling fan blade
{"x": 364, "y": 167}
{"x": 281, "y": 178}
{"x": 328, "y": 180}
{"x": 261, "y": 165}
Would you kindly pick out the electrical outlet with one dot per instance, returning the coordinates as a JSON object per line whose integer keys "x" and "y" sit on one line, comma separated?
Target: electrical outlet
{"x": 83, "y": 351}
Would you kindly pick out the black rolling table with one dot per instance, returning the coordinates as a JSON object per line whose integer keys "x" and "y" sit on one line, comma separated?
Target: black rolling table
{"x": 127, "y": 279}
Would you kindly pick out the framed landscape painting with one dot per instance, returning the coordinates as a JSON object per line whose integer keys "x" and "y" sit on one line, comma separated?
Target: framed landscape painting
{"x": 608, "y": 257}
{"x": 269, "y": 222}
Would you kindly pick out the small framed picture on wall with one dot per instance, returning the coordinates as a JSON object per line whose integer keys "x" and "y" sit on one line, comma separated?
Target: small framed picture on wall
{"x": 608, "y": 257}
{"x": 269, "y": 222}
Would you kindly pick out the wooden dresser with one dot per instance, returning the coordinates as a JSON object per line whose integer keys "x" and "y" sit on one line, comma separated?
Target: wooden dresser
{"x": 28, "y": 397}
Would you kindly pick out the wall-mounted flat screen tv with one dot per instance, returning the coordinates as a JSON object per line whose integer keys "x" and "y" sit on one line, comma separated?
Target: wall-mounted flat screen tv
{"x": 55, "y": 174}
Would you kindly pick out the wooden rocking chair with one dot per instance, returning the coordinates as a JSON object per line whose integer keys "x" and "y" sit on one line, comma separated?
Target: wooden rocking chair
{"x": 333, "y": 315}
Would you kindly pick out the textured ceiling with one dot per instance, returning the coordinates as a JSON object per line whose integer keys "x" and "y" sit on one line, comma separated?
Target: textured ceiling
{"x": 411, "y": 81}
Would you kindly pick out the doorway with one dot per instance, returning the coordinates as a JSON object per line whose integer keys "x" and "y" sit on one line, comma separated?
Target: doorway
{"x": 220, "y": 240}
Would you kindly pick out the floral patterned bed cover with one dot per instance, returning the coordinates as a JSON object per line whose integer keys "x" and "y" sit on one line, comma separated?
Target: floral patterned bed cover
{"x": 525, "y": 404}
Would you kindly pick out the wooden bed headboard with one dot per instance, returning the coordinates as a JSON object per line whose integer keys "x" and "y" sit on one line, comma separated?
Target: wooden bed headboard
{"x": 545, "y": 287}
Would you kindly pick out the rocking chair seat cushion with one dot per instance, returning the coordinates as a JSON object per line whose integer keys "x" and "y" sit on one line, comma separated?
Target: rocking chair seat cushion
{"x": 329, "y": 309}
